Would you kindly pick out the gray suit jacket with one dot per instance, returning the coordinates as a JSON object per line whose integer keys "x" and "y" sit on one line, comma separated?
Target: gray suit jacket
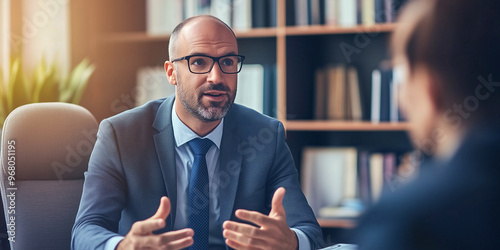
{"x": 133, "y": 165}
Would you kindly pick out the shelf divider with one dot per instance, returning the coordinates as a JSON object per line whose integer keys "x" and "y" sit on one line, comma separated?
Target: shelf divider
{"x": 324, "y": 125}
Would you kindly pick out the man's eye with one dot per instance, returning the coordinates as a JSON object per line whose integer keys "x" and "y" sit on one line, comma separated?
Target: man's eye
{"x": 227, "y": 62}
{"x": 198, "y": 62}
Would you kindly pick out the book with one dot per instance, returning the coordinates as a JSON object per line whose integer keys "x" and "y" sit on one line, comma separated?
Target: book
{"x": 270, "y": 90}
{"x": 359, "y": 11}
{"x": 259, "y": 14}
{"x": 314, "y": 13}
{"x": 250, "y": 91}
{"x": 242, "y": 14}
{"x": 368, "y": 12}
{"x": 380, "y": 14}
{"x": 343, "y": 211}
{"x": 190, "y": 8}
{"x": 203, "y": 7}
{"x": 157, "y": 23}
{"x": 331, "y": 12}
{"x": 328, "y": 176}
{"x": 375, "y": 97}
{"x": 385, "y": 94}
{"x": 222, "y": 9}
{"x": 364, "y": 183}
{"x": 320, "y": 97}
{"x": 354, "y": 107}
{"x": 272, "y": 12}
{"x": 376, "y": 175}
{"x": 336, "y": 92}
{"x": 397, "y": 80}
{"x": 152, "y": 84}
{"x": 347, "y": 13}
{"x": 301, "y": 12}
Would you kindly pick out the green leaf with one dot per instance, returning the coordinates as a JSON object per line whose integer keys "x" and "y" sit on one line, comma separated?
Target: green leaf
{"x": 49, "y": 87}
{"x": 19, "y": 92}
{"x": 77, "y": 82}
{"x": 39, "y": 78}
{"x": 82, "y": 85}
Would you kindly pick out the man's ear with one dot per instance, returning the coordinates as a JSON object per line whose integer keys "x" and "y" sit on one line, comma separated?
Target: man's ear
{"x": 169, "y": 69}
{"x": 433, "y": 90}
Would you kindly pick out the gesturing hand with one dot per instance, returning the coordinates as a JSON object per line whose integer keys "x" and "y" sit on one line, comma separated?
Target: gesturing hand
{"x": 141, "y": 234}
{"x": 272, "y": 233}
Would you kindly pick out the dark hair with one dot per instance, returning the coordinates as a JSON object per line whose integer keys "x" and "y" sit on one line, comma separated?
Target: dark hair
{"x": 172, "y": 45}
{"x": 459, "y": 41}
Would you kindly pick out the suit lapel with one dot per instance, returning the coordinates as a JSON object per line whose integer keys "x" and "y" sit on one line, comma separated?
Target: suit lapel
{"x": 165, "y": 149}
{"x": 229, "y": 166}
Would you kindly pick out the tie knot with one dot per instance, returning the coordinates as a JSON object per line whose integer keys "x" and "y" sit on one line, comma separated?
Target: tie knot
{"x": 200, "y": 146}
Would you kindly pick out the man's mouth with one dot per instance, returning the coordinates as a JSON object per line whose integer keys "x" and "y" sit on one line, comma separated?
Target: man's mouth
{"x": 215, "y": 95}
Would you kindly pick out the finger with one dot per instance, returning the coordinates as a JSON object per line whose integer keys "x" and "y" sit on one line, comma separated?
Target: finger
{"x": 167, "y": 237}
{"x": 277, "y": 208}
{"x": 244, "y": 229}
{"x": 147, "y": 226}
{"x": 176, "y": 239}
{"x": 240, "y": 241}
{"x": 163, "y": 209}
{"x": 180, "y": 244}
{"x": 254, "y": 217}
{"x": 155, "y": 241}
{"x": 238, "y": 245}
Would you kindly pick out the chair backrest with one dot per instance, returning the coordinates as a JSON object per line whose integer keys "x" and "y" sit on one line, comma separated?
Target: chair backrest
{"x": 45, "y": 149}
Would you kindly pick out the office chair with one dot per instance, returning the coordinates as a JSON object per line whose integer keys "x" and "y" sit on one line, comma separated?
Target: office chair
{"x": 45, "y": 149}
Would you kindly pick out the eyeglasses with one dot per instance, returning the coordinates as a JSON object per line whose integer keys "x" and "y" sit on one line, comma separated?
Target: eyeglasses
{"x": 203, "y": 64}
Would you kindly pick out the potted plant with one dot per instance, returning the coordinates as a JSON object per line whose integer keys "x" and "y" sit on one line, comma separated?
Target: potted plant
{"x": 45, "y": 85}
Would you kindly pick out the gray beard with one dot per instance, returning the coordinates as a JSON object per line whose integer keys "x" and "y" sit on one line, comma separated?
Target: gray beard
{"x": 206, "y": 114}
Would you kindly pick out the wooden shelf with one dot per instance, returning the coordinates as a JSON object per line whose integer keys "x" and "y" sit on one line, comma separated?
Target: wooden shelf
{"x": 145, "y": 37}
{"x": 337, "y": 223}
{"x": 256, "y": 33}
{"x": 325, "y": 30}
{"x": 345, "y": 126}
{"x": 260, "y": 32}
{"x": 134, "y": 37}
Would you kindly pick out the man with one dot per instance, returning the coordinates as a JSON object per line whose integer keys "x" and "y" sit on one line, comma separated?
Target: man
{"x": 450, "y": 52}
{"x": 147, "y": 153}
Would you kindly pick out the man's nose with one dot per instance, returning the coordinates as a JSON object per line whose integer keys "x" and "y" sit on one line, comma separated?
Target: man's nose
{"x": 215, "y": 75}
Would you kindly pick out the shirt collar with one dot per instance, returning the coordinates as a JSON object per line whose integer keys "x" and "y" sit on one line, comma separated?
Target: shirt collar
{"x": 183, "y": 134}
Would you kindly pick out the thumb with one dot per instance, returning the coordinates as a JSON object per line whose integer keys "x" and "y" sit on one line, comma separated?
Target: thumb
{"x": 277, "y": 208}
{"x": 163, "y": 210}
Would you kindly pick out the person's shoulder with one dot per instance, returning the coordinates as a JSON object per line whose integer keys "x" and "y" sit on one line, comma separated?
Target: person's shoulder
{"x": 247, "y": 116}
{"x": 141, "y": 115}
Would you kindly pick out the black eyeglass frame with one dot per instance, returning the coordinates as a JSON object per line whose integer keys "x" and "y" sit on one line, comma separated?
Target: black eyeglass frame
{"x": 214, "y": 59}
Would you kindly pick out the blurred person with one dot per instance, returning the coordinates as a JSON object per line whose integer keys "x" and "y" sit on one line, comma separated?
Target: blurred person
{"x": 251, "y": 198}
{"x": 450, "y": 51}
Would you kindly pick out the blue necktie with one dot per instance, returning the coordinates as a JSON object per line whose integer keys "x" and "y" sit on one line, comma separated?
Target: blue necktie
{"x": 199, "y": 201}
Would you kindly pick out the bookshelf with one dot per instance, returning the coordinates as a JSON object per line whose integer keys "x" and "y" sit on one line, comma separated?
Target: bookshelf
{"x": 113, "y": 34}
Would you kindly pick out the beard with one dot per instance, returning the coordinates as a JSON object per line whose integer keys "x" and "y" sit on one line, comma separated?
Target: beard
{"x": 214, "y": 110}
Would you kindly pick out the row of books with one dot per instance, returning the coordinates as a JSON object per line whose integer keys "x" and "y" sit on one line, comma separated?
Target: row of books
{"x": 341, "y": 182}
{"x": 346, "y": 12}
{"x": 163, "y": 15}
{"x": 338, "y": 94}
{"x": 256, "y": 87}
{"x": 385, "y": 94}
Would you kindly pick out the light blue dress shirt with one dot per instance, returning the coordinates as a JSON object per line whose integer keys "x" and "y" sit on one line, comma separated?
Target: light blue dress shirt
{"x": 183, "y": 161}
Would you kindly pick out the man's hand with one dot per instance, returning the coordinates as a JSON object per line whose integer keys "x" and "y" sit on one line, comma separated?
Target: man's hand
{"x": 272, "y": 233}
{"x": 141, "y": 234}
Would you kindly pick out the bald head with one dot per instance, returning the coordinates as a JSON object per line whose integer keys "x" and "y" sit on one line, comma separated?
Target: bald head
{"x": 192, "y": 24}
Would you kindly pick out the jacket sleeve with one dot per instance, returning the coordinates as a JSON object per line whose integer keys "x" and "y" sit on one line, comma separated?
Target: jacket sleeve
{"x": 104, "y": 194}
{"x": 299, "y": 214}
